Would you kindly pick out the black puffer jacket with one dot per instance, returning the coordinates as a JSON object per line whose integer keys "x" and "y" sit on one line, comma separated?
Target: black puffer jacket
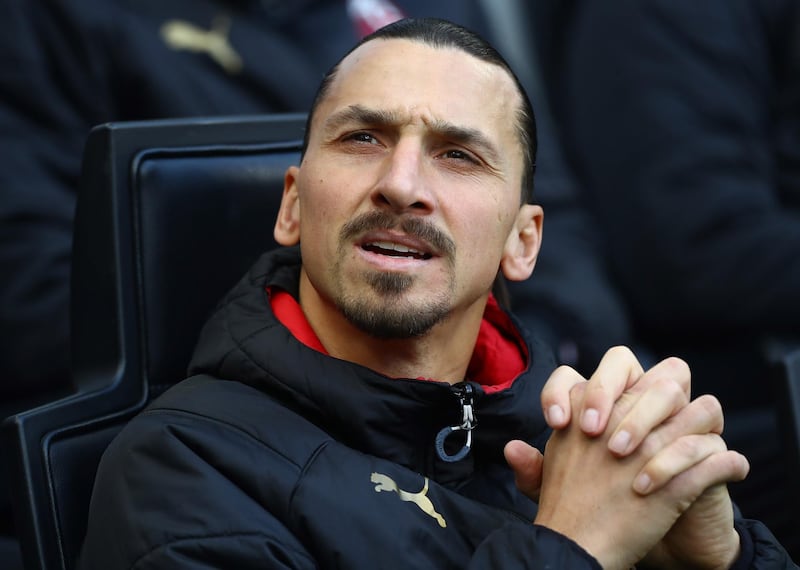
{"x": 300, "y": 460}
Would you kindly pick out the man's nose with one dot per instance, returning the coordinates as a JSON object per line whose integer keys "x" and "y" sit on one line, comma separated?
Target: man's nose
{"x": 403, "y": 185}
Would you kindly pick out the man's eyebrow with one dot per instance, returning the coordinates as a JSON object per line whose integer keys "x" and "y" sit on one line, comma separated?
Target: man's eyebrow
{"x": 361, "y": 115}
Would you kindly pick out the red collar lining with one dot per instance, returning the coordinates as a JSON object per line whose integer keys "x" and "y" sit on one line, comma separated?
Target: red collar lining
{"x": 500, "y": 354}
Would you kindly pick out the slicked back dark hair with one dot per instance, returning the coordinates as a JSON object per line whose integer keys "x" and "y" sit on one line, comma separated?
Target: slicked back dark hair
{"x": 438, "y": 33}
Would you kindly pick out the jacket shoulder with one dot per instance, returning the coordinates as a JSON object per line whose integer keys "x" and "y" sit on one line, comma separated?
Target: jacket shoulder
{"x": 207, "y": 404}
{"x": 197, "y": 466}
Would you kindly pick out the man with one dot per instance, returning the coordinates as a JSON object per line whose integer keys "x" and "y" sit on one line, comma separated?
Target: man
{"x": 352, "y": 399}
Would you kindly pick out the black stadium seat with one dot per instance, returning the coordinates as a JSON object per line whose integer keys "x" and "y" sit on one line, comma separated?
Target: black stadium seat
{"x": 785, "y": 358}
{"x": 170, "y": 214}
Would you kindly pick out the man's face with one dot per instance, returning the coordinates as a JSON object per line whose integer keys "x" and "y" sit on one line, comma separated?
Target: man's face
{"x": 409, "y": 188}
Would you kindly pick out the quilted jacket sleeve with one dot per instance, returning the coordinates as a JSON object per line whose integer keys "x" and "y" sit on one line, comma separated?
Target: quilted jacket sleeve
{"x": 539, "y": 547}
{"x": 532, "y": 547}
{"x": 760, "y": 548}
{"x": 241, "y": 551}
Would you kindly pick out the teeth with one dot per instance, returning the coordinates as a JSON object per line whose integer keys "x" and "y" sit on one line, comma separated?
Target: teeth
{"x": 394, "y": 247}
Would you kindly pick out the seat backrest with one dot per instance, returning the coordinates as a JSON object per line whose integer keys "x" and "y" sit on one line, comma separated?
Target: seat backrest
{"x": 786, "y": 367}
{"x": 170, "y": 214}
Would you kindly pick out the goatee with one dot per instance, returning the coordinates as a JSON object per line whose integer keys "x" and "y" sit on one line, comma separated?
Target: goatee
{"x": 388, "y": 316}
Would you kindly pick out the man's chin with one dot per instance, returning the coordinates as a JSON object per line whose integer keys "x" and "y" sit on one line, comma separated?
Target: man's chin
{"x": 385, "y": 318}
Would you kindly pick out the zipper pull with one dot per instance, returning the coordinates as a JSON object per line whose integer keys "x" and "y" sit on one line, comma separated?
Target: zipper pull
{"x": 465, "y": 393}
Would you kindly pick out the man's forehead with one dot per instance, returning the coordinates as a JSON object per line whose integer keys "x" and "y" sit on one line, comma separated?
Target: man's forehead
{"x": 407, "y": 78}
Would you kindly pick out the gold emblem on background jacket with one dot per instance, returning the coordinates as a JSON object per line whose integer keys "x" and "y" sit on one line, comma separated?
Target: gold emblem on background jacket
{"x": 183, "y": 35}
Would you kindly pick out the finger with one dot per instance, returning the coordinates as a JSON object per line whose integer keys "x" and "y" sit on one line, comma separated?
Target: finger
{"x": 695, "y": 467}
{"x": 700, "y": 416}
{"x": 644, "y": 412}
{"x": 672, "y": 368}
{"x": 526, "y": 463}
{"x": 556, "y": 396}
{"x": 676, "y": 458}
{"x": 617, "y": 372}
{"x": 665, "y": 444}
{"x": 671, "y": 447}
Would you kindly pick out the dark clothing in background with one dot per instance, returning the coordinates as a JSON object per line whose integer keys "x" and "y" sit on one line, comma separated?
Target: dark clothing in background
{"x": 274, "y": 455}
{"x": 570, "y": 299}
{"x": 683, "y": 121}
{"x": 67, "y": 66}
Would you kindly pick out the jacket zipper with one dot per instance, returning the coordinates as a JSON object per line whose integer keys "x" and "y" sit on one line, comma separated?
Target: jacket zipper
{"x": 465, "y": 393}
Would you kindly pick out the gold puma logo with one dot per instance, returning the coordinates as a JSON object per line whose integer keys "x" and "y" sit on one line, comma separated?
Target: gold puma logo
{"x": 182, "y": 35}
{"x": 386, "y": 483}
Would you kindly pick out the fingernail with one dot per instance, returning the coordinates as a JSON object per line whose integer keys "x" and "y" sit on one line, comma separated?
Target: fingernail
{"x": 619, "y": 443}
{"x": 590, "y": 420}
{"x": 555, "y": 415}
{"x": 642, "y": 483}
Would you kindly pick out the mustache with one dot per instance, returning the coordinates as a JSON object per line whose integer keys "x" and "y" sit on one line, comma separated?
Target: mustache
{"x": 412, "y": 226}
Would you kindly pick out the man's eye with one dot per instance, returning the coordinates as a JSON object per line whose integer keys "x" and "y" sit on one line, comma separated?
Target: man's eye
{"x": 362, "y": 137}
{"x": 457, "y": 154}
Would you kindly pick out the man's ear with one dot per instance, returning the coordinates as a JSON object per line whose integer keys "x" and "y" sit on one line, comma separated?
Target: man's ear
{"x": 522, "y": 245}
{"x": 287, "y": 226}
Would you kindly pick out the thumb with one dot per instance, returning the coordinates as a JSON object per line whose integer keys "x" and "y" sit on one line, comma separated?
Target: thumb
{"x": 526, "y": 462}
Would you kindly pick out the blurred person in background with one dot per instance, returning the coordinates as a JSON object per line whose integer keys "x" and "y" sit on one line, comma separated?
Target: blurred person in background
{"x": 682, "y": 120}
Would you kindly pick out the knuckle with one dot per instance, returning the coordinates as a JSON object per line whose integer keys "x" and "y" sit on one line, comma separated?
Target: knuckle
{"x": 577, "y": 394}
{"x": 677, "y": 366}
{"x": 710, "y": 404}
{"x": 711, "y": 410}
{"x": 560, "y": 381}
{"x": 672, "y": 390}
{"x": 565, "y": 370}
{"x": 696, "y": 448}
{"x": 620, "y": 351}
{"x": 652, "y": 444}
{"x": 691, "y": 447}
{"x": 676, "y": 370}
{"x": 564, "y": 375}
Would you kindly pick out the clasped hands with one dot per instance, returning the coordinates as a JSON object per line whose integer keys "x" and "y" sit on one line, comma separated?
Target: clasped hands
{"x": 635, "y": 471}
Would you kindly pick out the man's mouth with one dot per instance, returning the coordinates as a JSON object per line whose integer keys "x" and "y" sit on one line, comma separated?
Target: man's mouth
{"x": 395, "y": 250}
